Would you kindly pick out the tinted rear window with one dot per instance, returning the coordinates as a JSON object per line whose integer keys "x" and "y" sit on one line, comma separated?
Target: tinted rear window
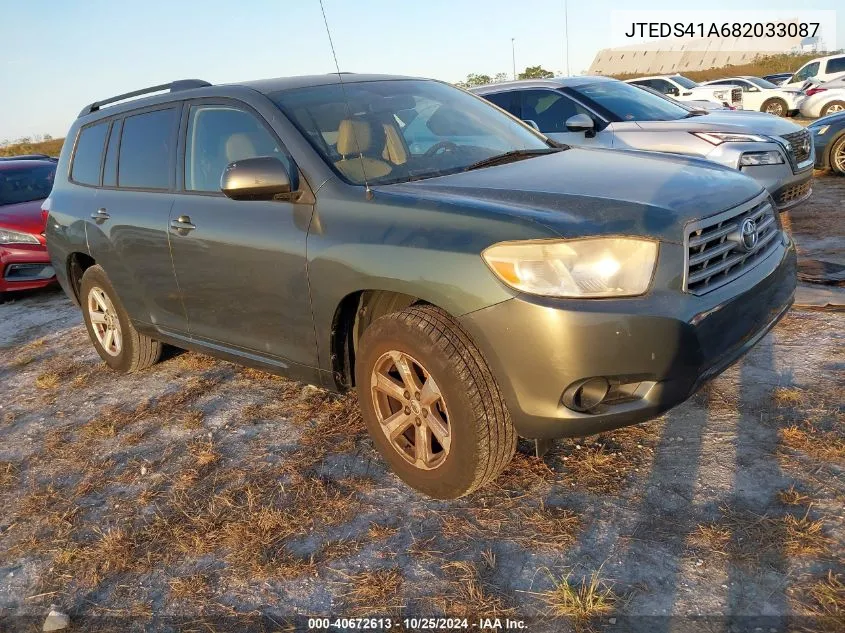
{"x": 836, "y": 65}
{"x": 145, "y": 149}
{"x": 88, "y": 154}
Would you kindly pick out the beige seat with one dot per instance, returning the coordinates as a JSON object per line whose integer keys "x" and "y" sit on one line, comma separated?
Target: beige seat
{"x": 238, "y": 147}
{"x": 362, "y": 155}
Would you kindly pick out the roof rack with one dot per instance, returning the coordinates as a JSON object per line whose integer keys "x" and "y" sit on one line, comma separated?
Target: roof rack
{"x": 173, "y": 86}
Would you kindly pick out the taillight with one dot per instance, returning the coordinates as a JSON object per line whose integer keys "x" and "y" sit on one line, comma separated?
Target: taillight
{"x": 812, "y": 91}
{"x": 45, "y": 210}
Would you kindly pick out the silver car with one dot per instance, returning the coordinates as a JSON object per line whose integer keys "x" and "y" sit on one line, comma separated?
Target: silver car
{"x": 604, "y": 112}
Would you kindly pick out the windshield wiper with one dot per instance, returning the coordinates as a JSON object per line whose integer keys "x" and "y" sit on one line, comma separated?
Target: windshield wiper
{"x": 513, "y": 155}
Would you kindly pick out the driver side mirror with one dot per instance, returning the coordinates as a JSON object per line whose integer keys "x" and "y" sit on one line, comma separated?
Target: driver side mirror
{"x": 262, "y": 178}
{"x": 581, "y": 123}
{"x": 673, "y": 91}
{"x": 531, "y": 123}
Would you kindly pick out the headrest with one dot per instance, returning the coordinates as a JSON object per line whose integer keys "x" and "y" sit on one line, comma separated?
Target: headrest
{"x": 238, "y": 147}
{"x": 353, "y": 136}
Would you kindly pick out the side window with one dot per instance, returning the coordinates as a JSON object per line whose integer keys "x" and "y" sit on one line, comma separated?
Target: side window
{"x": 810, "y": 70}
{"x": 88, "y": 154}
{"x": 664, "y": 86}
{"x": 219, "y": 135}
{"x": 835, "y": 65}
{"x": 145, "y": 149}
{"x": 110, "y": 167}
{"x": 549, "y": 109}
{"x": 506, "y": 101}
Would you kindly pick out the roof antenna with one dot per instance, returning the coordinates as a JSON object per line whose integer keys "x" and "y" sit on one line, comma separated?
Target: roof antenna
{"x": 367, "y": 191}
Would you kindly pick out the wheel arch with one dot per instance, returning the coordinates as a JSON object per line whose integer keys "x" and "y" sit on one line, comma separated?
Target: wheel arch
{"x": 76, "y": 264}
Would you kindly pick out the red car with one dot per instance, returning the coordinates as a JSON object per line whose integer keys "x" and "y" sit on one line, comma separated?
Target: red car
{"x": 24, "y": 262}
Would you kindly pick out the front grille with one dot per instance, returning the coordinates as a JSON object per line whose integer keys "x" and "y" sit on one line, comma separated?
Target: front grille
{"x": 736, "y": 96}
{"x": 799, "y": 145}
{"x": 795, "y": 192}
{"x": 716, "y": 251}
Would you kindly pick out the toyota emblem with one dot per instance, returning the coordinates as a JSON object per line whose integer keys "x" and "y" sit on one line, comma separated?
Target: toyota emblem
{"x": 748, "y": 234}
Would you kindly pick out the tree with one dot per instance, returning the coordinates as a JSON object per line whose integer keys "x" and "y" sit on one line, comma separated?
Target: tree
{"x": 474, "y": 79}
{"x": 500, "y": 77}
{"x": 536, "y": 72}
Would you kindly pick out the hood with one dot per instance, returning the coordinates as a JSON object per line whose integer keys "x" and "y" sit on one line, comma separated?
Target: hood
{"x": 830, "y": 119}
{"x": 727, "y": 121}
{"x": 25, "y": 217}
{"x": 593, "y": 191}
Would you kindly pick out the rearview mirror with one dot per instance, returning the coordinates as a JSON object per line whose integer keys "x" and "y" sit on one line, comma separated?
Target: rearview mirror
{"x": 579, "y": 123}
{"x": 531, "y": 123}
{"x": 261, "y": 178}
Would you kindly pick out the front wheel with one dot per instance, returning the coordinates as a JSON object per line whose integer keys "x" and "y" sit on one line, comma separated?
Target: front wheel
{"x": 832, "y": 108}
{"x": 431, "y": 404}
{"x": 114, "y": 337}
{"x": 775, "y": 106}
{"x": 837, "y": 156}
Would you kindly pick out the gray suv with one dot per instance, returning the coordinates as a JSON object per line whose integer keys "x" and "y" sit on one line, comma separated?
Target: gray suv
{"x": 469, "y": 278}
{"x": 604, "y": 112}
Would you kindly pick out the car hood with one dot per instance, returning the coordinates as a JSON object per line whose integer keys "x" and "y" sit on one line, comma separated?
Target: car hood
{"x": 727, "y": 121}
{"x": 24, "y": 216}
{"x": 830, "y": 119}
{"x": 583, "y": 191}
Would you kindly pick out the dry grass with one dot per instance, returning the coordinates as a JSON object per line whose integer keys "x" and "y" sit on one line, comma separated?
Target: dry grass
{"x": 373, "y": 592}
{"x": 823, "y": 600}
{"x": 380, "y": 531}
{"x": 787, "y": 396}
{"x": 820, "y": 446}
{"x": 756, "y": 67}
{"x": 584, "y": 600}
{"x": 749, "y": 538}
{"x": 334, "y": 550}
{"x": 51, "y": 148}
{"x": 793, "y": 497}
{"x": 56, "y": 371}
{"x": 467, "y": 595}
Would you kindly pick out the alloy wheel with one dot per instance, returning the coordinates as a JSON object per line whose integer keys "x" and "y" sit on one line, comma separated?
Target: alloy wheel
{"x": 833, "y": 108}
{"x": 775, "y": 108}
{"x": 411, "y": 410}
{"x": 104, "y": 321}
{"x": 838, "y": 158}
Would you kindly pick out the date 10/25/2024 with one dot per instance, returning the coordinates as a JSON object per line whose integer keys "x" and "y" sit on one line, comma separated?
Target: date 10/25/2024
{"x": 429, "y": 624}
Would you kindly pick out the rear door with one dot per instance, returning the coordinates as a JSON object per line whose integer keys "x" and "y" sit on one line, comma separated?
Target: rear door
{"x": 127, "y": 231}
{"x": 240, "y": 264}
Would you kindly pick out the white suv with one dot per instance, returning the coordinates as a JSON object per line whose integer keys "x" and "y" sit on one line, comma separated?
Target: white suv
{"x": 821, "y": 69}
{"x": 682, "y": 88}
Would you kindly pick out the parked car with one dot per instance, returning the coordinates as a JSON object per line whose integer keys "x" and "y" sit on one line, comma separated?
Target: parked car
{"x": 684, "y": 89}
{"x": 762, "y": 95}
{"x": 824, "y": 98}
{"x": 29, "y": 157}
{"x": 604, "y": 112}
{"x": 821, "y": 69}
{"x": 470, "y": 278}
{"x": 777, "y": 78}
{"x": 24, "y": 262}
{"x": 829, "y": 140}
{"x": 692, "y": 106}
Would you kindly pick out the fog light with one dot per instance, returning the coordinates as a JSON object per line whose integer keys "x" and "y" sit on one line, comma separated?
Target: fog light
{"x": 585, "y": 394}
{"x": 772, "y": 157}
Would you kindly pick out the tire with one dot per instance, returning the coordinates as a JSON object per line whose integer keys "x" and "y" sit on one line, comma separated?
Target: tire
{"x": 836, "y": 158}
{"x": 481, "y": 438}
{"x": 135, "y": 351}
{"x": 776, "y": 106}
{"x": 833, "y": 106}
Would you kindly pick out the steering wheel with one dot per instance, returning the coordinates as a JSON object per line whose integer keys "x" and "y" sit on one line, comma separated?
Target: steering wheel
{"x": 446, "y": 146}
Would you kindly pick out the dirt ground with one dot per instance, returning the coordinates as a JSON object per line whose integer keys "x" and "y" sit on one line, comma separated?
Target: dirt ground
{"x": 199, "y": 495}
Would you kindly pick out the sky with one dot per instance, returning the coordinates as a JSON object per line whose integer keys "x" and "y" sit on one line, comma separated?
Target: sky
{"x": 57, "y": 56}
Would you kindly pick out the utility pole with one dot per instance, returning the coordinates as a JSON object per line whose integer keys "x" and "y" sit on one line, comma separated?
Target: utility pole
{"x": 513, "y": 55}
{"x": 566, "y": 32}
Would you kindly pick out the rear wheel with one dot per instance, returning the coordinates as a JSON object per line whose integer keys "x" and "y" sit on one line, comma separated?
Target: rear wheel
{"x": 776, "y": 106}
{"x": 833, "y": 107}
{"x": 114, "y": 337}
{"x": 431, "y": 404}
{"x": 837, "y": 156}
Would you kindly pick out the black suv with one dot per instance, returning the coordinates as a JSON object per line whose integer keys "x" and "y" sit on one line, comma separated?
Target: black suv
{"x": 471, "y": 278}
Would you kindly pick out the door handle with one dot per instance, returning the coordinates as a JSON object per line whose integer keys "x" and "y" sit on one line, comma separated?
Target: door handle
{"x": 182, "y": 224}
{"x": 100, "y": 216}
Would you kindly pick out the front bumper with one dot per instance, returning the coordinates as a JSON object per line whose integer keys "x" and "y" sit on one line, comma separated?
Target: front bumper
{"x": 790, "y": 184}
{"x": 25, "y": 267}
{"x": 664, "y": 345}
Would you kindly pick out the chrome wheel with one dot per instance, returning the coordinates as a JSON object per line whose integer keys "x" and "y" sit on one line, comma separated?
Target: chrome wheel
{"x": 775, "y": 108}
{"x": 838, "y": 158}
{"x": 834, "y": 107}
{"x": 104, "y": 321}
{"x": 411, "y": 410}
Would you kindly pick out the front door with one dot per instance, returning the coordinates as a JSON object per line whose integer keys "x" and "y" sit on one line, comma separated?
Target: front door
{"x": 240, "y": 265}
{"x": 550, "y": 109}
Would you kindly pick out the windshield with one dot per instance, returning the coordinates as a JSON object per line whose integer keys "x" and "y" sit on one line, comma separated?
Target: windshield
{"x": 624, "y": 102}
{"x": 684, "y": 82}
{"x": 761, "y": 83}
{"x": 381, "y": 132}
{"x": 25, "y": 184}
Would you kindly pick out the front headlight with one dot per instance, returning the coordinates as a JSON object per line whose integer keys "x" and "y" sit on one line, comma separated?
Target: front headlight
{"x": 581, "y": 268}
{"x": 820, "y": 130}
{"x": 13, "y": 237}
{"x": 729, "y": 137}
{"x": 721, "y": 94}
{"x": 773, "y": 157}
